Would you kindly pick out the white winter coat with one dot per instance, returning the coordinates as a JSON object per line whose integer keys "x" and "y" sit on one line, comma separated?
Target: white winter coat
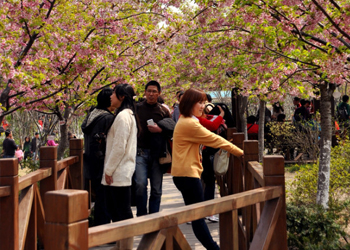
{"x": 121, "y": 149}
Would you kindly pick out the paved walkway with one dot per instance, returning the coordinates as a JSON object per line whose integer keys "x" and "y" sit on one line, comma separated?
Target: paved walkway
{"x": 172, "y": 198}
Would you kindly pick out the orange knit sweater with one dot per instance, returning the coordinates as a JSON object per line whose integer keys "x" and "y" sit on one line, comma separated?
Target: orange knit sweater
{"x": 189, "y": 134}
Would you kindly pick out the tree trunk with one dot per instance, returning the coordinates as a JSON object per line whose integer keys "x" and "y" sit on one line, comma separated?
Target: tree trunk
{"x": 242, "y": 110}
{"x": 325, "y": 145}
{"x": 63, "y": 145}
{"x": 261, "y": 129}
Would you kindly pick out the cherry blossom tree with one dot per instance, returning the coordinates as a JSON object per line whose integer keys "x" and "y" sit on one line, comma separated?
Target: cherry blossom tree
{"x": 274, "y": 48}
{"x": 56, "y": 55}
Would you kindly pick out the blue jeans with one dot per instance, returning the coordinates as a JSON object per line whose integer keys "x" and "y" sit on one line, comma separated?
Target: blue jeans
{"x": 147, "y": 167}
{"x": 8, "y": 156}
{"x": 192, "y": 192}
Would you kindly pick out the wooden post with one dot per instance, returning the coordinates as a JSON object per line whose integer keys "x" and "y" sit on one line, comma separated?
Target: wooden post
{"x": 230, "y": 132}
{"x": 235, "y": 180}
{"x": 66, "y": 225}
{"x": 273, "y": 167}
{"x": 9, "y": 226}
{"x": 251, "y": 153}
{"x": 229, "y": 230}
{"x": 76, "y": 147}
{"x": 48, "y": 159}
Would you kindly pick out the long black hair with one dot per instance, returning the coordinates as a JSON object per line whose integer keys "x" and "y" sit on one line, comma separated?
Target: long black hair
{"x": 125, "y": 90}
{"x": 104, "y": 98}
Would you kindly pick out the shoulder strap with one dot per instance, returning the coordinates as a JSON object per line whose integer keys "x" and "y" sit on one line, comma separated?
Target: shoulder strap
{"x": 250, "y": 127}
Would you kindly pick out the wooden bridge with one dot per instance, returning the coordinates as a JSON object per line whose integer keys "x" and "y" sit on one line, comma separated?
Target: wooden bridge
{"x": 251, "y": 208}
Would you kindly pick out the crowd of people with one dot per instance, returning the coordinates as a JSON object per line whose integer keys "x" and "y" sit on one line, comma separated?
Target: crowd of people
{"x": 124, "y": 141}
{"x": 13, "y": 150}
{"x": 30, "y": 147}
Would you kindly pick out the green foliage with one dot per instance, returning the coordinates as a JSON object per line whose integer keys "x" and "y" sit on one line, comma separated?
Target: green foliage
{"x": 296, "y": 167}
{"x": 311, "y": 227}
{"x": 283, "y": 137}
{"x": 304, "y": 187}
{"x": 30, "y": 164}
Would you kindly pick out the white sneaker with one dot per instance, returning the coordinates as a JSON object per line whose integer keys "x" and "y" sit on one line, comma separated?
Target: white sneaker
{"x": 213, "y": 218}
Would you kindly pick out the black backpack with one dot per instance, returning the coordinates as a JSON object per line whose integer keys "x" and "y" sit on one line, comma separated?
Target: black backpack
{"x": 342, "y": 113}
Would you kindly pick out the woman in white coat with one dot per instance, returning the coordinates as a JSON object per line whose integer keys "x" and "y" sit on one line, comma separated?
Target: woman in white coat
{"x": 119, "y": 164}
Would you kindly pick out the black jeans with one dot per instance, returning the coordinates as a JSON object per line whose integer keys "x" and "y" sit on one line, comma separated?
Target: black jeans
{"x": 119, "y": 202}
{"x": 192, "y": 192}
{"x": 101, "y": 215}
{"x": 208, "y": 176}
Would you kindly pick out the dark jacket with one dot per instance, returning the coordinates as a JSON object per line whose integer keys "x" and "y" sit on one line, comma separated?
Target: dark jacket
{"x": 95, "y": 128}
{"x": 27, "y": 146}
{"x": 9, "y": 146}
{"x": 35, "y": 142}
{"x": 167, "y": 125}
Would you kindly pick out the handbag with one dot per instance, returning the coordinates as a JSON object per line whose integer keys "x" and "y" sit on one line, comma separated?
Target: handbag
{"x": 167, "y": 158}
{"x": 221, "y": 162}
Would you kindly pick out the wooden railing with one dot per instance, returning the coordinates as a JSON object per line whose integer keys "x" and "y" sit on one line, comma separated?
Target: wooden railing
{"x": 252, "y": 218}
{"x": 22, "y": 202}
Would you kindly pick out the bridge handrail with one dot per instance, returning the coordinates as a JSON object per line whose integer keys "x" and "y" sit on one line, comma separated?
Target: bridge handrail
{"x": 43, "y": 173}
{"x": 22, "y": 202}
{"x": 254, "y": 218}
{"x": 142, "y": 225}
{"x": 5, "y": 191}
{"x": 256, "y": 170}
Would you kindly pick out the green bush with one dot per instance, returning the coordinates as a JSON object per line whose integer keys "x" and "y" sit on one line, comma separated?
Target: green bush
{"x": 303, "y": 189}
{"x": 31, "y": 164}
{"x": 311, "y": 227}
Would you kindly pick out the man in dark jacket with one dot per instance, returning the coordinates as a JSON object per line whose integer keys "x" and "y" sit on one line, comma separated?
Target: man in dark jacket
{"x": 95, "y": 128}
{"x": 149, "y": 150}
{"x": 9, "y": 146}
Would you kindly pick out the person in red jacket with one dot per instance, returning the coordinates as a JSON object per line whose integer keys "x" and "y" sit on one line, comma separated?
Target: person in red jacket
{"x": 212, "y": 123}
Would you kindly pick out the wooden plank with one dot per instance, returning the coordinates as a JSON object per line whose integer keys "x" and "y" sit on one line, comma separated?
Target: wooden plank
{"x": 66, "y": 236}
{"x": 66, "y": 225}
{"x": 25, "y": 208}
{"x": 257, "y": 171}
{"x": 48, "y": 159}
{"x": 76, "y": 147}
{"x": 274, "y": 165}
{"x": 242, "y": 236}
{"x": 9, "y": 204}
{"x": 169, "y": 240}
{"x": 70, "y": 181}
{"x": 180, "y": 240}
{"x": 6, "y": 167}
{"x": 66, "y": 162}
{"x": 274, "y": 176}
{"x": 265, "y": 230}
{"x": 150, "y": 223}
{"x": 229, "y": 230}
{"x": 251, "y": 154}
{"x": 40, "y": 217}
{"x": 66, "y": 206}
{"x": 31, "y": 239}
{"x": 153, "y": 241}
{"x": 61, "y": 179}
{"x": 5, "y": 191}
{"x": 298, "y": 157}
{"x": 33, "y": 177}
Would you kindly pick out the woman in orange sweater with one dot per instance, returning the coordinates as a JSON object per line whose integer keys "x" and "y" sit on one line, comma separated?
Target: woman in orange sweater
{"x": 189, "y": 136}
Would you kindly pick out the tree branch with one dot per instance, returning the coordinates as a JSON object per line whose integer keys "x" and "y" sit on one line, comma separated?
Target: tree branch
{"x": 330, "y": 19}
